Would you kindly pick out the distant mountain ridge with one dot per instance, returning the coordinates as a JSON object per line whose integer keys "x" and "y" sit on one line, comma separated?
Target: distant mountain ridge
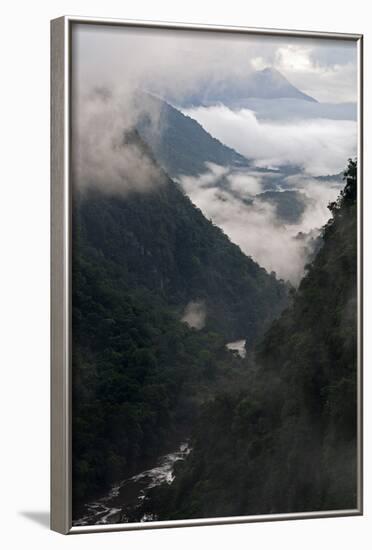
{"x": 294, "y": 108}
{"x": 179, "y": 143}
{"x": 268, "y": 83}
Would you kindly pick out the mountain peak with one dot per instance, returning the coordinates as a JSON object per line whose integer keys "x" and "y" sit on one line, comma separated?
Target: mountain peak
{"x": 270, "y": 70}
{"x": 269, "y": 83}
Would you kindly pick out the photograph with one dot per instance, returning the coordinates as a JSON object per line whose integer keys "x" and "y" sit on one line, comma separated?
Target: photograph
{"x": 215, "y": 274}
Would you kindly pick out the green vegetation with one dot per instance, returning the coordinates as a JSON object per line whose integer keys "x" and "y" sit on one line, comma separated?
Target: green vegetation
{"x": 286, "y": 442}
{"x": 140, "y": 375}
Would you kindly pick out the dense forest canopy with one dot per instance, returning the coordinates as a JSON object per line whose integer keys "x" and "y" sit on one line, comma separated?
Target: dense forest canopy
{"x": 139, "y": 371}
{"x": 274, "y": 431}
{"x": 286, "y": 442}
{"x": 214, "y": 275}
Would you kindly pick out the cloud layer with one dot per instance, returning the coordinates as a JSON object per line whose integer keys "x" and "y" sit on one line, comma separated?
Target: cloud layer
{"x": 107, "y": 153}
{"x": 319, "y": 146}
{"x": 255, "y": 226}
{"x": 195, "y": 315}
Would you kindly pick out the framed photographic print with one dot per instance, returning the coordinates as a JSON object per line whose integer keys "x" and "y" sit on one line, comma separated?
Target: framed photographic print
{"x": 206, "y": 274}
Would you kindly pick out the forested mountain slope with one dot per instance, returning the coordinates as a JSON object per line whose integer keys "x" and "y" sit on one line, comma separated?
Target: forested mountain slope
{"x": 287, "y": 442}
{"x": 162, "y": 243}
{"x": 139, "y": 372}
{"x": 180, "y": 144}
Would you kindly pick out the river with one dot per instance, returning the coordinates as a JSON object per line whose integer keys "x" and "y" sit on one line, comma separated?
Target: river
{"x": 125, "y": 499}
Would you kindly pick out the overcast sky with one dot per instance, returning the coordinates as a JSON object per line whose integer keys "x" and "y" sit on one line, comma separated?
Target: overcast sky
{"x": 176, "y": 60}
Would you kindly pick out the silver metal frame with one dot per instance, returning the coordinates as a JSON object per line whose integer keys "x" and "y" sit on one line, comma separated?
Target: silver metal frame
{"x": 61, "y": 489}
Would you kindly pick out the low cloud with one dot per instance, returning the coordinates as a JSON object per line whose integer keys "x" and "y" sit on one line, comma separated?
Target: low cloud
{"x": 321, "y": 194}
{"x": 108, "y": 154}
{"x": 106, "y": 150}
{"x": 288, "y": 110}
{"x": 195, "y": 315}
{"x": 245, "y": 184}
{"x": 254, "y": 224}
{"x": 319, "y": 146}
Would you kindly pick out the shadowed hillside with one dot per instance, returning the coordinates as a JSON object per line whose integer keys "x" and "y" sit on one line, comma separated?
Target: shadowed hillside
{"x": 140, "y": 372}
{"x": 287, "y": 442}
{"x": 180, "y": 144}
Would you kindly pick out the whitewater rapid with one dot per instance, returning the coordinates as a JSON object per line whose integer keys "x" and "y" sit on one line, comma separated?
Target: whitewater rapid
{"x": 127, "y": 497}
